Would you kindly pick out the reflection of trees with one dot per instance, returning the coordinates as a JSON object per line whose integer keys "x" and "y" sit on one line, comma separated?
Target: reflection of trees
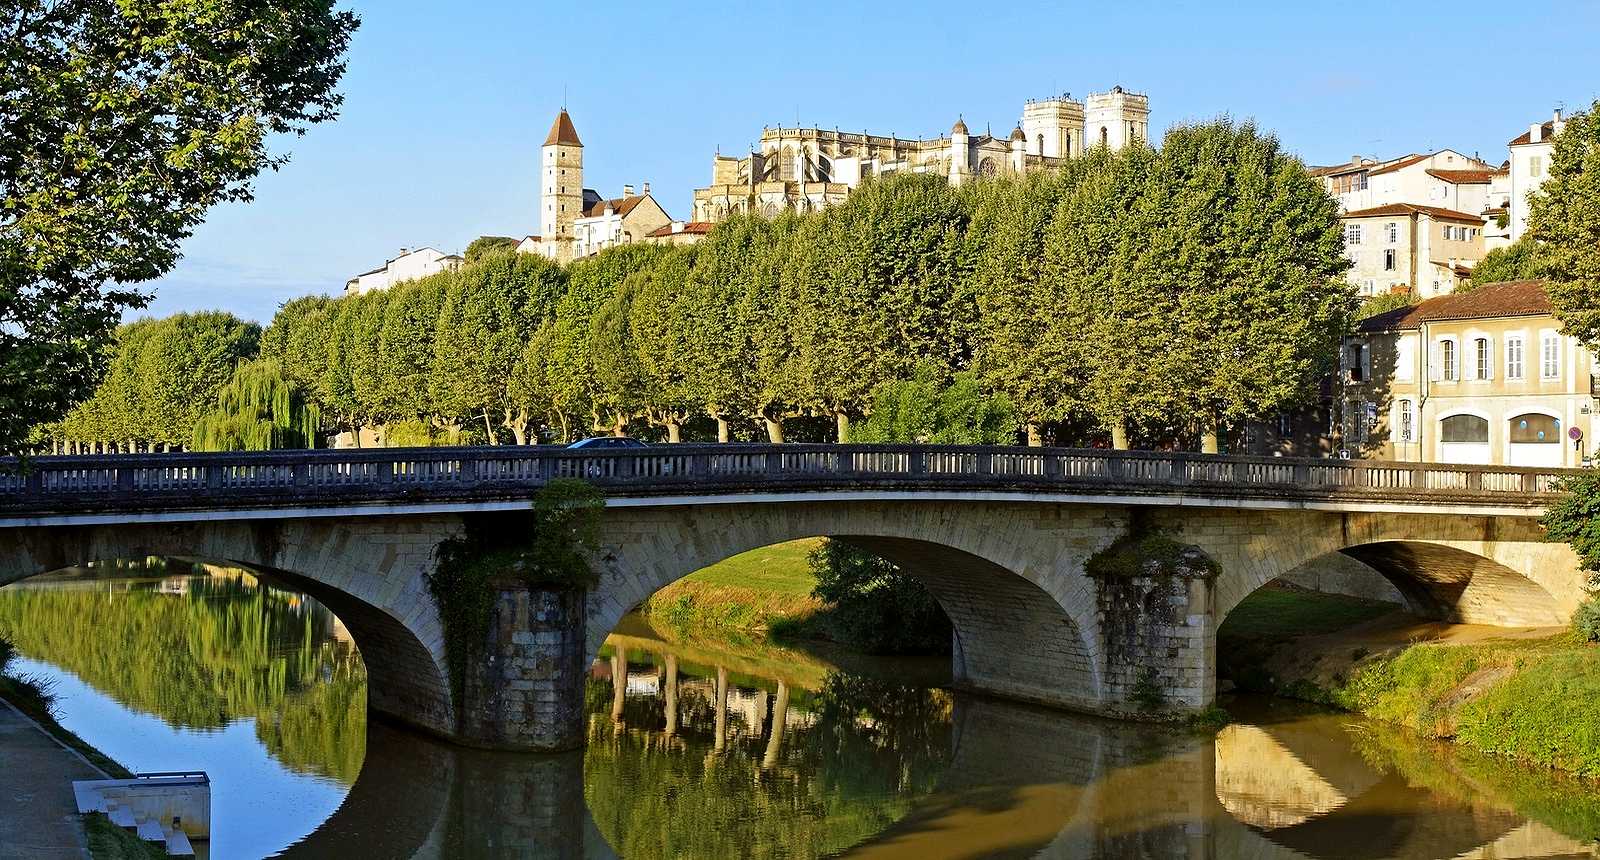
{"x": 850, "y": 760}
{"x": 205, "y": 654}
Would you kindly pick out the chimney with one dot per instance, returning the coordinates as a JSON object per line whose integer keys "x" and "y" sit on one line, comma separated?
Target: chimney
{"x": 1355, "y": 159}
{"x": 403, "y": 252}
{"x": 646, "y": 187}
{"x": 1536, "y": 132}
{"x": 1557, "y": 117}
{"x": 627, "y": 191}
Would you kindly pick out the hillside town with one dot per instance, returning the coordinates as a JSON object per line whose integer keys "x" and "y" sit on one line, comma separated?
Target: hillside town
{"x": 1451, "y": 385}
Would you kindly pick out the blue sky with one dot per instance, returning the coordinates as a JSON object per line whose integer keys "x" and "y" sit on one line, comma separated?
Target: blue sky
{"x": 447, "y": 104}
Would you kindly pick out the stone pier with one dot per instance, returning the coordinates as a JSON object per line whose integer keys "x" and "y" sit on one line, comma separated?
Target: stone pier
{"x": 527, "y": 693}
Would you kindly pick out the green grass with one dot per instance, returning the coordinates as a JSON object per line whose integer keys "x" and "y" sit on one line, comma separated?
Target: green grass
{"x": 107, "y": 841}
{"x": 778, "y": 569}
{"x": 1283, "y": 613}
{"x": 750, "y": 591}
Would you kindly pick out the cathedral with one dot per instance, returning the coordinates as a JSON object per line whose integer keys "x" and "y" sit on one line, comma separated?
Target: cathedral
{"x": 809, "y": 168}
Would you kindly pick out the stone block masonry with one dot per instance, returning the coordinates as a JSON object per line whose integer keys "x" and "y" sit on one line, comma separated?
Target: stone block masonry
{"x": 527, "y": 692}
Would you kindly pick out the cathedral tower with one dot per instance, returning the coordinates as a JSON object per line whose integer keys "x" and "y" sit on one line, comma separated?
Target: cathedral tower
{"x": 561, "y": 187}
{"x": 1117, "y": 118}
{"x": 1053, "y": 127}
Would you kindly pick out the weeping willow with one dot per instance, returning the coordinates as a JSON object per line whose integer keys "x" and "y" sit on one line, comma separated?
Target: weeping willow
{"x": 259, "y": 409}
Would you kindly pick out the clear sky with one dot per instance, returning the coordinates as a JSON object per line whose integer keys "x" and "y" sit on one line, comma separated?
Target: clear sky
{"x": 446, "y": 104}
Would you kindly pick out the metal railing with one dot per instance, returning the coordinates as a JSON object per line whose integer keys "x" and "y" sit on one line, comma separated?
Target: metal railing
{"x": 223, "y": 480}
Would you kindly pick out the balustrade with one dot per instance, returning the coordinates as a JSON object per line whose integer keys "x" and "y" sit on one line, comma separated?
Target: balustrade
{"x": 204, "y": 480}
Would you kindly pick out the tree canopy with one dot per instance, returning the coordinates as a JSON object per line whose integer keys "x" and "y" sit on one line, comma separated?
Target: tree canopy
{"x": 1564, "y": 220}
{"x": 1161, "y": 293}
{"x": 121, "y": 125}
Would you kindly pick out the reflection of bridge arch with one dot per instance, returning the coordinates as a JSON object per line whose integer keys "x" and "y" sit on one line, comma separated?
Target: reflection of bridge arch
{"x": 367, "y": 573}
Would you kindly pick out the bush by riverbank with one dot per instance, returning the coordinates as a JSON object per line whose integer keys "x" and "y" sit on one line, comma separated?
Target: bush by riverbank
{"x": 1532, "y": 699}
{"x": 749, "y": 592}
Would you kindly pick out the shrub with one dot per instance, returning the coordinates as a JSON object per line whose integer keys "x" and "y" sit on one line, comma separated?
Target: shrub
{"x": 1586, "y": 621}
{"x": 875, "y": 607}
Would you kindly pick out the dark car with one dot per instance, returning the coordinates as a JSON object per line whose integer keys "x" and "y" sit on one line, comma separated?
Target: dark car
{"x": 602, "y": 442}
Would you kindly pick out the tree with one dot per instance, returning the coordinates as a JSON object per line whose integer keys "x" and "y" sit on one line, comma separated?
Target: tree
{"x": 163, "y": 377}
{"x": 484, "y": 245}
{"x": 1011, "y": 355}
{"x": 1204, "y": 281}
{"x": 258, "y": 410}
{"x": 718, "y": 319}
{"x": 123, "y": 124}
{"x": 1383, "y": 303}
{"x": 873, "y": 605}
{"x": 661, "y": 329}
{"x": 929, "y": 409}
{"x": 1518, "y": 261}
{"x": 1564, "y": 219}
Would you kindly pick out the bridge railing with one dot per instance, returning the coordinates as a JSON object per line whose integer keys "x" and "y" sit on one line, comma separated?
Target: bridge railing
{"x": 286, "y": 477}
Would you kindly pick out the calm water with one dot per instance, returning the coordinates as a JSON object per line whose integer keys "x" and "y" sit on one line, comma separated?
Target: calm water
{"x": 720, "y": 749}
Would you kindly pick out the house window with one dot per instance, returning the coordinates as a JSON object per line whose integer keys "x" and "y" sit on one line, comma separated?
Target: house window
{"x": 1388, "y": 259}
{"x": 1481, "y": 348}
{"x": 1352, "y": 234}
{"x": 1514, "y": 357}
{"x": 1536, "y": 166}
{"x": 1447, "y": 360}
{"x": 1464, "y": 428}
{"x": 1405, "y": 432}
{"x": 1392, "y": 230}
{"x": 1358, "y": 420}
{"x": 1549, "y": 357}
{"x": 1534, "y": 428}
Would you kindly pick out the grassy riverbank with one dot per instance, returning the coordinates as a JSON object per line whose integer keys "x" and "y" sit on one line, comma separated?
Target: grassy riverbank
{"x": 749, "y": 592}
{"x": 34, "y": 699}
{"x": 1528, "y": 696}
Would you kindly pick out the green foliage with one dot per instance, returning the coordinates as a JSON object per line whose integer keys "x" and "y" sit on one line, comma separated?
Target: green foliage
{"x": 164, "y": 375}
{"x": 259, "y": 410}
{"x": 1575, "y": 519}
{"x": 874, "y": 607}
{"x": 1150, "y": 554}
{"x": 1518, "y": 261}
{"x": 1564, "y": 219}
{"x": 548, "y": 547}
{"x": 124, "y": 124}
{"x": 927, "y": 409}
{"x": 107, "y": 841}
{"x": 1586, "y": 621}
{"x": 485, "y": 245}
{"x": 1383, "y": 303}
{"x": 226, "y": 649}
{"x": 1216, "y": 261}
{"x": 1147, "y": 692}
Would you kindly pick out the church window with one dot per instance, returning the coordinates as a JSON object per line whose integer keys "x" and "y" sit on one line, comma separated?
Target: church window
{"x": 1103, "y": 136}
{"x": 1041, "y": 144}
{"x": 1067, "y": 143}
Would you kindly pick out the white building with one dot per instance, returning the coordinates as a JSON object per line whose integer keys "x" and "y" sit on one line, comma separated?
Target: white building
{"x": 408, "y": 266}
{"x": 1446, "y": 179}
{"x": 1530, "y": 166}
{"x": 618, "y": 221}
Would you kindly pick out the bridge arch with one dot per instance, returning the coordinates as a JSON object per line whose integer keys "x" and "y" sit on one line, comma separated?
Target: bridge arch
{"x": 1479, "y": 570}
{"x": 1023, "y": 615}
{"x": 361, "y": 571}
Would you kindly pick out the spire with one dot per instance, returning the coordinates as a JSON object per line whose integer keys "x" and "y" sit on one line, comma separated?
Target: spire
{"x": 562, "y": 132}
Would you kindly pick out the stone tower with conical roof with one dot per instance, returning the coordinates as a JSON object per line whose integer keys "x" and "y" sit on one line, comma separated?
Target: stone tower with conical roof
{"x": 561, "y": 187}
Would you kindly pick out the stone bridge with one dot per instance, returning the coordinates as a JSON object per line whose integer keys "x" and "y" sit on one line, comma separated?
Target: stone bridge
{"x": 999, "y": 535}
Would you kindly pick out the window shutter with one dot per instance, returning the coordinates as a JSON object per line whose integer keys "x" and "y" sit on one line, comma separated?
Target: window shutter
{"x": 1344, "y": 359}
{"x": 1488, "y": 372}
{"x": 1366, "y": 362}
{"x": 1435, "y": 363}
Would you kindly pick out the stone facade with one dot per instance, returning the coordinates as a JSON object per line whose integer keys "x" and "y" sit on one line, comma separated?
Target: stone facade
{"x": 805, "y": 169}
{"x": 528, "y": 692}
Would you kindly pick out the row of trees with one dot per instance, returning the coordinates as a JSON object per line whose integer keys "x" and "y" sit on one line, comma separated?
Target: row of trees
{"x": 1136, "y": 294}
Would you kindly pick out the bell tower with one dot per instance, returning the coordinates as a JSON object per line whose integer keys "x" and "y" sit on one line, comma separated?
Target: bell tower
{"x": 561, "y": 187}
{"x": 1117, "y": 118}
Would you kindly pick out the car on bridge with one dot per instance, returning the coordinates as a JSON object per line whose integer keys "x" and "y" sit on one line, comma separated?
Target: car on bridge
{"x": 607, "y": 442}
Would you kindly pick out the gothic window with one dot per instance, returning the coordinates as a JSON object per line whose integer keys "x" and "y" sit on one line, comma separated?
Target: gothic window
{"x": 1041, "y": 144}
{"x": 1066, "y": 142}
{"x": 1104, "y": 137}
{"x": 786, "y": 165}
{"x": 986, "y": 167}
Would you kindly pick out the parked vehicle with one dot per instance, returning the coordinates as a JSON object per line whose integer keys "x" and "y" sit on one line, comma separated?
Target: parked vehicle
{"x": 604, "y": 442}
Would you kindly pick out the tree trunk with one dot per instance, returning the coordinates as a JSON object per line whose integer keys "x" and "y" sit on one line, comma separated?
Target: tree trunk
{"x": 774, "y": 430}
{"x": 1035, "y": 438}
{"x": 1119, "y": 436}
{"x": 566, "y": 428}
{"x": 619, "y": 425}
{"x": 1208, "y": 439}
{"x": 722, "y": 428}
{"x": 674, "y": 431}
{"x": 488, "y": 426}
{"x": 842, "y": 422}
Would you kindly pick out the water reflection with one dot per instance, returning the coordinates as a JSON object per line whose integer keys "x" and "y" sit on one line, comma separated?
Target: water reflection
{"x": 702, "y": 749}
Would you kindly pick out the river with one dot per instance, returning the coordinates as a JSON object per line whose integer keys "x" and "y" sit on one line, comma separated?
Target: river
{"x": 716, "y": 748}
